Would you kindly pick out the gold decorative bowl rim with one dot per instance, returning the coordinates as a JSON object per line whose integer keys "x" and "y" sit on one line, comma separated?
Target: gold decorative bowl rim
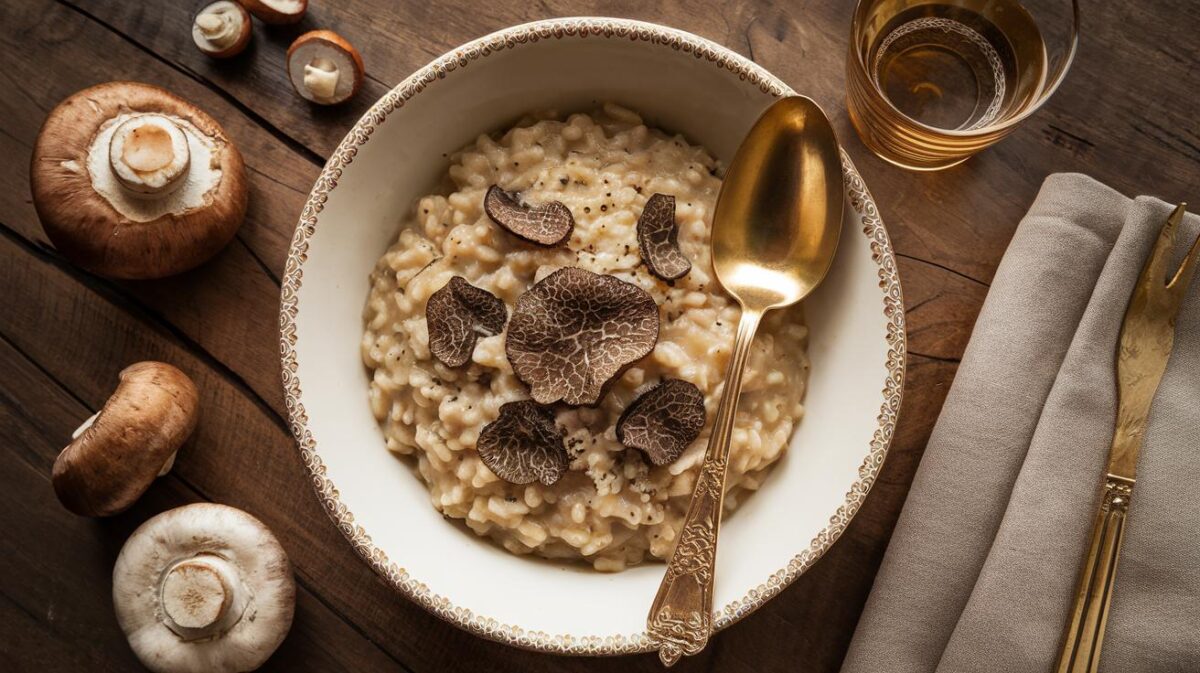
{"x": 859, "y": 199}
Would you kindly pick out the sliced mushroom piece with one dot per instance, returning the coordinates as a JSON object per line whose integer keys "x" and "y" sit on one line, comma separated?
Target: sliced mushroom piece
{"x": 116, "y": 454}
{"x": 222, "y": 29}
{"x": 204, "y": 587}
{"x": 324, "y": 68}
{"x": 658, "y": 239}
{"x": 277, "y": 12}
{"x": 524, "y": 444}
{"x": 456, "y": 315}
{"x": 548, "y": 224}
{"x": 663, "y": 421}
{"x": 131, "y": 181}
{"x": 575, "y": 332}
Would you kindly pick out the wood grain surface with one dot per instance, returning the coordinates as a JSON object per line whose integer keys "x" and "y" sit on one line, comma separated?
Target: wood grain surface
{"x": 1126, "y": 115}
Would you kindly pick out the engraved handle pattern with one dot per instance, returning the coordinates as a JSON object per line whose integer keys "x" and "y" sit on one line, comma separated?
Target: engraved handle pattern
{"x": 1085, "y": 632}
{"x": 680, "y": 619}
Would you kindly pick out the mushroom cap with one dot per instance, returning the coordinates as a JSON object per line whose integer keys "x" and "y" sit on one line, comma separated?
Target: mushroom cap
{"x": 524, "y": 444}
{"x": 108, "y": 466}
{"x": 326, "y": 44}
{"x": 663, "y": 421}
{"x": 547, "y": 224}
{"x": 244, "y": 32}
{"x": 575, "y": 332}
{"x": 277, "y": 12}
{"x": 658, "y": 239}
{"x": 256, "y": 615}
{"x": 456, "y": 315}
{"x": 142, "y": 239}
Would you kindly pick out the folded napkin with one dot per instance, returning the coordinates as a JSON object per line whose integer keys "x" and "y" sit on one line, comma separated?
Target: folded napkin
{"x": 981, "y": 569}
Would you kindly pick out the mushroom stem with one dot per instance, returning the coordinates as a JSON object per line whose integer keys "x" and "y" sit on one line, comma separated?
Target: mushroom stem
{"x": 169, "y": 464}
{"x": 85, "y": 425}
{"x": 219, "y": 28}
{"x": 149, "y": 155}
{"x": 321, "y": 78}
{"x": 202, "y": 597}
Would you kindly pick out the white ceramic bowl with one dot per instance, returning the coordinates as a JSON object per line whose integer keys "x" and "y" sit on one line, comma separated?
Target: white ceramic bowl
{"x": 397, "y": 152}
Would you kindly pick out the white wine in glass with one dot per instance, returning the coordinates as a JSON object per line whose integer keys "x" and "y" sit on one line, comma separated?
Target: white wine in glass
{"x": 931, "y": 82}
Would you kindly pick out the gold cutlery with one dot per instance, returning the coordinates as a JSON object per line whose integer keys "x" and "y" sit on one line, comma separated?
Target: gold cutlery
{"x": 774, "y": 234}
{"x": 1147, "y": 336}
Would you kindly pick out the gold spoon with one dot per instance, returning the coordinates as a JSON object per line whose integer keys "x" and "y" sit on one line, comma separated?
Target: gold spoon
{"x": 774, "y": 234}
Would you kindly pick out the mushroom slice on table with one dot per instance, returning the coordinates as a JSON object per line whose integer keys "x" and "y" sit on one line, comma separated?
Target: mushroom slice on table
{"x": 277, "y": 12}
{"x": 324, "y": 68}
{"x": 222, "y": 29}
{"x": 131, "y": 181}
{"x": 203, "y": 588}
{"x": 116, "y": 454}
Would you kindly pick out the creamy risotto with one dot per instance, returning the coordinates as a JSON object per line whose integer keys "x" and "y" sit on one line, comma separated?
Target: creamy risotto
{"x": 612, "y": 508}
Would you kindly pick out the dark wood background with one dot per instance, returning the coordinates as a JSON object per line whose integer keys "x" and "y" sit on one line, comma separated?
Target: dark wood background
{"x": 1128, "y": 115}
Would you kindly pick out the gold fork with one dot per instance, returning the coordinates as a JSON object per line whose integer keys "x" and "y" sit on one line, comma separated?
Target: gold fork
{"x": 1147, "y": 337}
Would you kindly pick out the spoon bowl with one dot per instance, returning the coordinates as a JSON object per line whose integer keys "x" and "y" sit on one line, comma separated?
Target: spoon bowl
{"x": 775, "y": 231}
{"x": 779, "y": 214}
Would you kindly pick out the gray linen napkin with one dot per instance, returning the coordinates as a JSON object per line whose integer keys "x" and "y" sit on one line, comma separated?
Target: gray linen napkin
{"x": 982, "y": 566}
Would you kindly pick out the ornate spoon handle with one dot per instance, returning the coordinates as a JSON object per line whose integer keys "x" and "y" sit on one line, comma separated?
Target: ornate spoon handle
{"x": 681, "y": 617}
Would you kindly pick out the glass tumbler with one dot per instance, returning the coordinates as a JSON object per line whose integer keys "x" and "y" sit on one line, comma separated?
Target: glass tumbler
{"x": 932, "y": 82}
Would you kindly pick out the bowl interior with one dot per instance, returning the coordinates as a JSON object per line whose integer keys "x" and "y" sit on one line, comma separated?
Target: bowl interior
{"x": 404, "y": 158}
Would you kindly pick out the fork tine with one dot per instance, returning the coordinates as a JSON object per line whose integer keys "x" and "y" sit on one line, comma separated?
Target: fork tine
{"x": 1156, "y": 265}
{"x": 1187, "y": 268}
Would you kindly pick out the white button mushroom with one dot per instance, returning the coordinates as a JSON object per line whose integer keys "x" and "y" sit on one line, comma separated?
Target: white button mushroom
{"x": 324, "y": 68}
{"x": 277, "y": 11}
{"x": 130, "y": 181}
{"x": 116, "y": 454}
{"x": 222, "y": 29}
{"x": 203, "y": 588}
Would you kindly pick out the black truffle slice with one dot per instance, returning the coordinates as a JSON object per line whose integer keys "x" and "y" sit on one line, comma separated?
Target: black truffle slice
{"x": 548, "y": 224}
{"x": 456, "y": 315}
{"x": 658, "y": 239}
{"x": 663, "y": 421}
{"x": 574, "y": 332}
{"x": 524, "y": 444}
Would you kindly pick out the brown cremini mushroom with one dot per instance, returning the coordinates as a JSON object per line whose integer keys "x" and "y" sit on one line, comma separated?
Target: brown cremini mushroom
{"x": 203, "y": 588}
{"x": 658, "y": 239}
{"x": 324, "y": 68}
{"x": 277, "y": 12}
{"x": 523, "y": 444}
{"x": 222, "y": 29}
{"x": 663, "y": 421}
{"x": 547, "y": 224}
{"x": 131, "y": 181}
{"x": 575, "y": 332}
{"x": 456, "y": 315}
{"x": 116, "y": 454}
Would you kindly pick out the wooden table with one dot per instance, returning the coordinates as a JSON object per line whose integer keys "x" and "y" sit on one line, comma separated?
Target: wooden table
{"x": 1126, "y": 115}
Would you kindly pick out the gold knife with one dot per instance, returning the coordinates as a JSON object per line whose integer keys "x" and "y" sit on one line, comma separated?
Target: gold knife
{"x": 1147, "y": 337}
